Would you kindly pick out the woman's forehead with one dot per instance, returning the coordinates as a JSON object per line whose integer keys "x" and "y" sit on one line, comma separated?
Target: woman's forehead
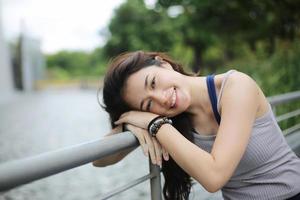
{"x": 140, "y": 77}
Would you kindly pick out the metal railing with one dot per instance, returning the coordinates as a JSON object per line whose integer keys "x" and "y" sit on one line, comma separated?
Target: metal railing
{"x": 285, "y": 98}
{"x": 19, "y": 172}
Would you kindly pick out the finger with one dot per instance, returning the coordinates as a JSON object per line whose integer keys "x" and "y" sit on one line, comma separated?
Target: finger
{"x": 122, "y": 118}
{"x": 117, "y": 129}
{"x": 126, "y": 114}
{"x": 118, "y": 122}
{"x": 158, "y": 151}
{"x": 165, "y": 154}
{"x": 150, "y": 147}
{"x": 139, "y": 135}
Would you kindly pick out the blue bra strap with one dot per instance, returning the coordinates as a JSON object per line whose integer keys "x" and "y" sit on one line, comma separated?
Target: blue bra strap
{"x": 213, "y": 97}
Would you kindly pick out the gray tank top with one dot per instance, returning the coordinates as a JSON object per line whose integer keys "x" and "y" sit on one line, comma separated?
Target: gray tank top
{"x": 268, "y": 170}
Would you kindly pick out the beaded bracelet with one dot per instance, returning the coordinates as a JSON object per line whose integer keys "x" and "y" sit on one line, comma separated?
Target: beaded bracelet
{"x": 156, "y": 123}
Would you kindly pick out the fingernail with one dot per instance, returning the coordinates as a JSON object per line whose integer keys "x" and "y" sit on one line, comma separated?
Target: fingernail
{"x": 166, "y": 157}
{"x": 146, "y": 153}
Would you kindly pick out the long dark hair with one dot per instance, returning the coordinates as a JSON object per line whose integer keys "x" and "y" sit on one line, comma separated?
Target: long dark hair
{"x": 177, "y": 182}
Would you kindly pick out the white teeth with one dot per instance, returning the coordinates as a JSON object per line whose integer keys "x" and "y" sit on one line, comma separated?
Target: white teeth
{"x": 173, "y": 99}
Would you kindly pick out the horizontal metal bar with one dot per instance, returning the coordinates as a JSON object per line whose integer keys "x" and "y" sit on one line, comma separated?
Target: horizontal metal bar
{"x": 283, "y": 98}
{"x": 22, "y": 171}
{"x": 291, "y": 130}
{"x": 293, "y": 141}
{"x": 126, "y": 187}
{"x": 288, "y": 115}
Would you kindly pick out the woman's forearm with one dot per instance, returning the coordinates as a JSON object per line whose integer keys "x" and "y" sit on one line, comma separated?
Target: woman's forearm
{"x": 196, "y": 162}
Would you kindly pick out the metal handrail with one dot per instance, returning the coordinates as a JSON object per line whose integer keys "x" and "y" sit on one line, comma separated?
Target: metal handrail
{"x": 22, "y": 171}
{"x": 283, "y": 98}
{"x": 288, "y": 115}
{"x": 15, "y": 173}
{"x": 127, "y": 186}
{"x": 291, "y": 129}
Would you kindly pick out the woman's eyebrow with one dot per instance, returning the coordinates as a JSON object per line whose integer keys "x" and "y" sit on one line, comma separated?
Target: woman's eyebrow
{"x": 145, "y": 87}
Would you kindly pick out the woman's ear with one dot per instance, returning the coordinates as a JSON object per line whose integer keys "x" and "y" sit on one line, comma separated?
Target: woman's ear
{"x": 164, "y": 63}
{"x": 159, "y": 58}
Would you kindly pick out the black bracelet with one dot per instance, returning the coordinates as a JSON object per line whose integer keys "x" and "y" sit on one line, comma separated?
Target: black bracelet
{"x": 155, "y": 124}
{"x": 151, "y": 122}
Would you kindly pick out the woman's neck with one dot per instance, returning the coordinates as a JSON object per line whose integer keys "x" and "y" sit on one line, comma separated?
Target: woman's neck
{"x": 199, "y": 96}
{"x": 200, "y": 107}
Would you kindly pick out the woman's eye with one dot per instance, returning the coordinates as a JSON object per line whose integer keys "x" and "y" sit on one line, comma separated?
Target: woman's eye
{"x": 153, "y": 83}
{"x": 149, "y": 105}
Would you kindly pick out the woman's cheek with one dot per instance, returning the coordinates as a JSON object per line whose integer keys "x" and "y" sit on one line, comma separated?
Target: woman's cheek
{"x": 158, "y": 111}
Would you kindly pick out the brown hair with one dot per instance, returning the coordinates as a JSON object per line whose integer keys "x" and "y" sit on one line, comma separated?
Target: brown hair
{"x": 177, "y": 182}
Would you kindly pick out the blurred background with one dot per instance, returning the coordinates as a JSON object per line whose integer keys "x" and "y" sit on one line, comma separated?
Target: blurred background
{"x": 54, "y": 53}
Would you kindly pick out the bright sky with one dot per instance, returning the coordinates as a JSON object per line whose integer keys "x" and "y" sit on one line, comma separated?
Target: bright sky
{"x": 59, "y": 24}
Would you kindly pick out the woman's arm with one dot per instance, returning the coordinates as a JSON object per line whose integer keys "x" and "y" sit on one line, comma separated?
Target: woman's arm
{"x": 213, "y": 170}
{"x": 112, "y": 159}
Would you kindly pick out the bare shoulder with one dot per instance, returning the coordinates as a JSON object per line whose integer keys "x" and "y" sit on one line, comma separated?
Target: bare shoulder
{"x": 239, "y": 82}
{"x": 241, "y": 78}
{"x": 235, "y": 77}
{"x": 242, "y": 86}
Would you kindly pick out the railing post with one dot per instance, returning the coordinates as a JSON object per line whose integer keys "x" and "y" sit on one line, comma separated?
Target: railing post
{"x": 155, "y": 183}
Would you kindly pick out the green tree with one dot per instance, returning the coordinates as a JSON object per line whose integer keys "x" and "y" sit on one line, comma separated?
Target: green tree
{"x": 207, "y": 22}
{"x": 75, "y": 63}
{"x": 135, "y": 27}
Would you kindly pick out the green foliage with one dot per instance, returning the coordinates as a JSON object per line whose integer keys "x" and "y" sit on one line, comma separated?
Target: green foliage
{"x": 276, "y": 75}
{"x": 58, "y": 73}
{"x": 67, "y": 64}
{"x": 207, "y": 22}
{"x": 134, "y": 27}
{"x": 73, "y": 62}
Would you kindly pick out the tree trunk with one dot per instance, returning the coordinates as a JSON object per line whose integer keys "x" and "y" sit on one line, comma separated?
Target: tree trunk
{"x": 252, "y": 45}
{"x": 271, "y": 47}
{"x": 228, "y": 54}
{"x": 198, "y": 62}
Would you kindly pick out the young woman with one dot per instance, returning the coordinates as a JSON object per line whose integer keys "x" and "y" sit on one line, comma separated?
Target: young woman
{"x": 218, "y": 129}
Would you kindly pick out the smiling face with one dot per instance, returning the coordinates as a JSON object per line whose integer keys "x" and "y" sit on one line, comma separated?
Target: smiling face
{"x": 157, "y": 89}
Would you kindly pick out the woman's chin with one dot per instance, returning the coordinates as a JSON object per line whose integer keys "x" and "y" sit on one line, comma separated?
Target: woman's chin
{"x": 173, "y": 114}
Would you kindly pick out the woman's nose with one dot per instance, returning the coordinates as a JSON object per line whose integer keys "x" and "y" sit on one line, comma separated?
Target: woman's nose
{"x": 159, "y": 97}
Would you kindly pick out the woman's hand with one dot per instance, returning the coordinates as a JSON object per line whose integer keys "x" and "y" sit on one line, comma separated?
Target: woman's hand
{"x": 117, "y": 129}
{"x": 136, "y": 118}
{"x": 149, "y": 145}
